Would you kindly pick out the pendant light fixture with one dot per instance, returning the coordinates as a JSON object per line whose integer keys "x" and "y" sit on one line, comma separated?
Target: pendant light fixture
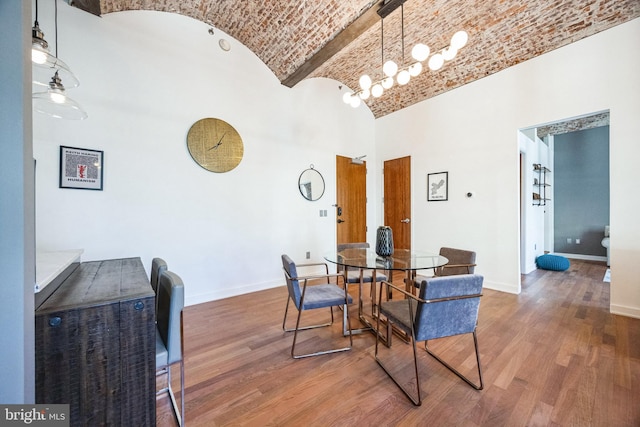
{"x": 54, "y": 101}
{"x": 44, "y": 63}
{"x": 402, "y": 74}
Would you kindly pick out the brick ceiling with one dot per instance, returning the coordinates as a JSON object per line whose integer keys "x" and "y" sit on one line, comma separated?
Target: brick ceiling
{"x": 286, "y": 35}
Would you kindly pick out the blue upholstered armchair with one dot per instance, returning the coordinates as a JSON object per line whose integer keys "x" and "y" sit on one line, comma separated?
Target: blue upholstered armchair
{"x": 447, "y": 306}
{"x": 307, "y": 294}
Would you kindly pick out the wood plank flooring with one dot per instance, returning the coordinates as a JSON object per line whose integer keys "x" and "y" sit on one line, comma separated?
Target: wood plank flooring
{"x": 551, "y": 356}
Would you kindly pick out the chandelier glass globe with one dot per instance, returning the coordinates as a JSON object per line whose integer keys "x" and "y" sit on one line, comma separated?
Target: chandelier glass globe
{"x": 449, "y": 53}
{"x": 365, "y": 82}
{"x": 415, "y": 69}
{"x": 459, "y": 39}
{"x": 436, "y": 62}
{"x": 390, "y": 68}
{"x": 403, "y": 77}
{"x": 420, "y": 52}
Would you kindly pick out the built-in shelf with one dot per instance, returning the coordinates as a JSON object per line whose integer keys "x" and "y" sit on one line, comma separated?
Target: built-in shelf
{"x": 541, "y": 186}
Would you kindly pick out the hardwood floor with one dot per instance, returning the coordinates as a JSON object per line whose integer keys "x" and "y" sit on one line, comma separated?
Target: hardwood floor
{"x": 551, "y": 356}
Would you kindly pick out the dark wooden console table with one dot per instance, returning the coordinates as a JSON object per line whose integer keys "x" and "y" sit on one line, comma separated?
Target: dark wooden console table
{"x": 95, "y": 345}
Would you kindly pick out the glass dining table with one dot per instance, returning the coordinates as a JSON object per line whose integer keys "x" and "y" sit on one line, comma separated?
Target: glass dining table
{"x": 406, "y": 260}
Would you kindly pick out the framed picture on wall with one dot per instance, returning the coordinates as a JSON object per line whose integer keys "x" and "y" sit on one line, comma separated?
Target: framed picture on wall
{"x": 437, "y": 186}
{"x": 81, "y": 168}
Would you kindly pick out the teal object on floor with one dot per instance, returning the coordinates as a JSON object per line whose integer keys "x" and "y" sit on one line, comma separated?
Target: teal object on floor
{"x": 552, "y": 262}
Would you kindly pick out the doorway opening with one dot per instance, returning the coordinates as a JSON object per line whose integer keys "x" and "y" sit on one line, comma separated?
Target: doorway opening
{"x": 564, "y": 188}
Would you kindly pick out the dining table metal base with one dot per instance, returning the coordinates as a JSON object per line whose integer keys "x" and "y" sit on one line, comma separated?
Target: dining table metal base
{"x": 405, "y": 260}
{"x": 371, "y": 324}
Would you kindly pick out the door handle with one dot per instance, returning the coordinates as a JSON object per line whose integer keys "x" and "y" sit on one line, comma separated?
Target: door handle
{"x": 406, "y": 220}
{"x": 340, "y": 221}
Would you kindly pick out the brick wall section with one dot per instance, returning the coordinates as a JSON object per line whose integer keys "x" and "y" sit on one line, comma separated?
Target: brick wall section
{"x": 582, "y": 123}
{"x": 284, "y": 34}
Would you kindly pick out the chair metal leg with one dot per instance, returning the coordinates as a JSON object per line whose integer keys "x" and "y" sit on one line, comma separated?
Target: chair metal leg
{"x": 479, "y": 386}
{"x": 416, "y": 401}
{"x": 346, "y": 320}
{"x": 181, "y": 420}
{"x": 172, "y": 396}
{"x": 179, "y": 414}
{"x": 304, "y": 328}
{"x": 368, "y": 327}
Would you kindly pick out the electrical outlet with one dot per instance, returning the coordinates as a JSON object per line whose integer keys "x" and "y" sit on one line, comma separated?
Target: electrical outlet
{"x": 568, "y": 239}
{"x": 308, "y": 255}
{"x": 577, "y": 241}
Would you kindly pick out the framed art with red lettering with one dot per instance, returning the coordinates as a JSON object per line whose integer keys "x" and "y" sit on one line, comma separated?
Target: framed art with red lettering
{"x": 81, "y": 168}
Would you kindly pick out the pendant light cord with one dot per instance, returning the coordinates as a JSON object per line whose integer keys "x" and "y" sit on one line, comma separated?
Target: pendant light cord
{"x": 402, "y": 26}
{"x": 382, "y": 41}
{"x": 56, "y": 26}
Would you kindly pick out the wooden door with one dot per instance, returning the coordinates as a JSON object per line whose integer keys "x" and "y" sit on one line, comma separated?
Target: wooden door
{"x": 397, "y": 200}
{"x": 351, "y": 194}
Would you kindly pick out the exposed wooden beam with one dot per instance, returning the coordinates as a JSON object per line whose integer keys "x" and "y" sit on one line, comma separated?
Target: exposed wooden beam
{"x": 389, "y": 6}
{"x": 365, "y": 21}
{"x": 91, "y": 6}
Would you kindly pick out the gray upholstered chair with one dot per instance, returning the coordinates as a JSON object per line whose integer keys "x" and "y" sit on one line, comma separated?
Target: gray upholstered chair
{"x": 169, "y": 339}
{"x": 306, "y": 294}
{"x": 158, "y": 265}
{"x": 460, "y": 262}
{"x": 447, "y": 306}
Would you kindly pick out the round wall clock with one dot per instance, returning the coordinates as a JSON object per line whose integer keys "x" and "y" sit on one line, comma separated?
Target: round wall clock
{"x": 215, "y": 145}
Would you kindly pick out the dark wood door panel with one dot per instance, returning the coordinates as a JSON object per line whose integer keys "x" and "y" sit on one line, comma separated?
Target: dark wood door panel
{"x": 397, "y": 200}
{"x": 351, "y": 209}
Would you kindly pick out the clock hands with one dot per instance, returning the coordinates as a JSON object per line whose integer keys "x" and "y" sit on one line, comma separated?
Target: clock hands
{"x": 218, "y": 144}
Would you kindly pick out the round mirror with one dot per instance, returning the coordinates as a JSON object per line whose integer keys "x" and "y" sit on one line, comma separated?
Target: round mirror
{"x": 311, "y": 184}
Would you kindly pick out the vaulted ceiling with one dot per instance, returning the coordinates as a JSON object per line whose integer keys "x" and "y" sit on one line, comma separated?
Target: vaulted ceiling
{"x": 341, "y": 39}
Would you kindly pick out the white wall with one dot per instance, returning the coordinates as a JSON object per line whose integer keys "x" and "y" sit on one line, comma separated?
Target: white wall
{"x": 472, "y": 133}
{"x": 146, "y": 77}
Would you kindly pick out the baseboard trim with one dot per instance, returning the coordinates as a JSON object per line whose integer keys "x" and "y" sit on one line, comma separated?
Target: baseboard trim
{"x": 231, "y": 292}
{"x": 582, "y": 257}
{"x": 530, "y": 268}
{"x": 502, "y": 287}
{"x": 625, "y": 311}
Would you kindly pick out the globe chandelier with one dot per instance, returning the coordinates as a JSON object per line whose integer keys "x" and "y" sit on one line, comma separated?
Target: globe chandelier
{"x": 401, "y": 75}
